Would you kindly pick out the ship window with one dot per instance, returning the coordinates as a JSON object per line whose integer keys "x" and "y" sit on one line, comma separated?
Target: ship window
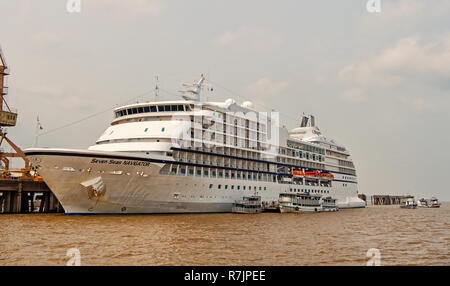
{"x": 146, "y": 109}
{"x": 188, "y": 108}
{"x": 227, "y": 175}
{"x": 130, "y": 111}
{"x": 210, "y": 186}
{"x": 260, "y": 188}
{"x": 162, "y": 129}
{"x": 183, "y": 171}
{"x": 174, "y": 170}
{"x": 238, "y": 175}
{"x": 191, "y": 172}
{"x": 219, "y": 187}
{"x": 220, "y": 174}
{"x": 146, "y": 129}
{"x": 238, "y": 187}
{"x": 166, "y": 107}
{"x": 205, "y": 173}
{"x": 140, "y": 109}
{"x": 173, "y": 108}
{"x": 153, "y": 108}
{"x": 180, "y": 107}
{"x": 134, "y": 110}
{"x": 243, "y": 187}
{"x": 232, "y": 187}
{"x": 226, "y": 187}
{"x": 160, "y": 107}
{"x": 199, "y": 172}
{"x": 214, "y": 174}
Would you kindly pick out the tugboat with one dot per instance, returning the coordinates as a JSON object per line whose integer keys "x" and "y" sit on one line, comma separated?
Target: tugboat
{"x": 249, "y": 205}
{"x": 409, "y": 203}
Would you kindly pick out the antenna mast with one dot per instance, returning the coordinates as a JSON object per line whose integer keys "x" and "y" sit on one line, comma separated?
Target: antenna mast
{"x": 192, "y": 91}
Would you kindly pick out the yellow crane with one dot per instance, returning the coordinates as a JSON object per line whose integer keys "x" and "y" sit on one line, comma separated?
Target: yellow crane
{"x": 8, "y": 118}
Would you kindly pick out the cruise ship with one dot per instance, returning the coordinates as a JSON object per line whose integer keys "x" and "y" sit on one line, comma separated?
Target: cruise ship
{"x": 196, "y": 156}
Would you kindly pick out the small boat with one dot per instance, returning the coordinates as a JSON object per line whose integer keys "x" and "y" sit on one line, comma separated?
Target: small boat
{"x": 248, "y": 205}
{"x": 329, "y": 204}
{"x": 299, "y": 203}
{"x": 434, "y": 203}
{"x": 409, "y": 203}
{"x": 428, "y": 203}
{"x": 422, "y": 203}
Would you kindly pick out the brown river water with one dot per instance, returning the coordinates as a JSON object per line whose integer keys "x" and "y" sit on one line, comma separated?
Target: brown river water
{"x": 402, "y": 236}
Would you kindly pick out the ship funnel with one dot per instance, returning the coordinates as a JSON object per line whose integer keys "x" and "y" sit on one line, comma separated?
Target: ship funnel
{"x": 308, "y": 121}
{"x": 304, "y": 121}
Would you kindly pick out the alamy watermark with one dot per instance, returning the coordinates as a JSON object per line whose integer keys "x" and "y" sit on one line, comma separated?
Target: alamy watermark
{"x": 210, "y": 129}
{"x": 373, "y": 6}
{"x": 73, "y": 6}
{"x": 75, "y": 257}
{"x": 374, "y": 256}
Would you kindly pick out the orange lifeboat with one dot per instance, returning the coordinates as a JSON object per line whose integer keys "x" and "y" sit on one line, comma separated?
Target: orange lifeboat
{"x": 314, "y": 173}
{"x": 326, "y": 175}
{"x": 298, "y": 173}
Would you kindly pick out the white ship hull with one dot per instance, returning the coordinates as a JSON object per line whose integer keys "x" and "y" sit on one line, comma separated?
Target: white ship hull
{"x": 92, "y": 182}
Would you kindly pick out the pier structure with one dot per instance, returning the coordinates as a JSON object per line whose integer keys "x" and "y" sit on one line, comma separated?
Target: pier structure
{"x": 388, "y": 199}
{"x": 27, "y": 196}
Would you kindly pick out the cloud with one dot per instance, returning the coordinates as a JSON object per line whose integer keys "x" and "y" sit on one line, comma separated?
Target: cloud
{"x": 126, "y": 10}
{"x": 409, "y": 60}
{"x": 249, "y": 40}
{"x": 355, "y": 95}
{"x": 394, "y": 14}
{"x": 266, "y": 88}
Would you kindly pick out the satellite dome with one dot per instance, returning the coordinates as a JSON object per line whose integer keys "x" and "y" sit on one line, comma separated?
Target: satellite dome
{"x": 230, "y": 101}
{"x": 247, "y": 104}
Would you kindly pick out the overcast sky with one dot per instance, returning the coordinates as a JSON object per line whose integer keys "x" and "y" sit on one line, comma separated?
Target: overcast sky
{"x": 379, "y": 83}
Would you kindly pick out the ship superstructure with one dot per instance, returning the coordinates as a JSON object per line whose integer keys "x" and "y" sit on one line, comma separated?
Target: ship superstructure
{"x": 196, "y": 156}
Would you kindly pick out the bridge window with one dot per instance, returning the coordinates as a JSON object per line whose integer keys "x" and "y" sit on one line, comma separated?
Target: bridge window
{"x": 153, "y": 108}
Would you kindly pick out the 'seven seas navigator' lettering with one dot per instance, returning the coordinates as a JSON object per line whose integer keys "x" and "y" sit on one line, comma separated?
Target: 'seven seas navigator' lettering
{"x": 121, "y": 162}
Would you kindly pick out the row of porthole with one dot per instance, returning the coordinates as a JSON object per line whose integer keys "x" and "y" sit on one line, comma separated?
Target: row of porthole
{"x": 238, "y": 187}
{"x": 70, "y": 169}
{"x": 310, "y": 191}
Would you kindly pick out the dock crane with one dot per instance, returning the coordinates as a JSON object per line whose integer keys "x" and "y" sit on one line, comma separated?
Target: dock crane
{"x": 8, "y": 118}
